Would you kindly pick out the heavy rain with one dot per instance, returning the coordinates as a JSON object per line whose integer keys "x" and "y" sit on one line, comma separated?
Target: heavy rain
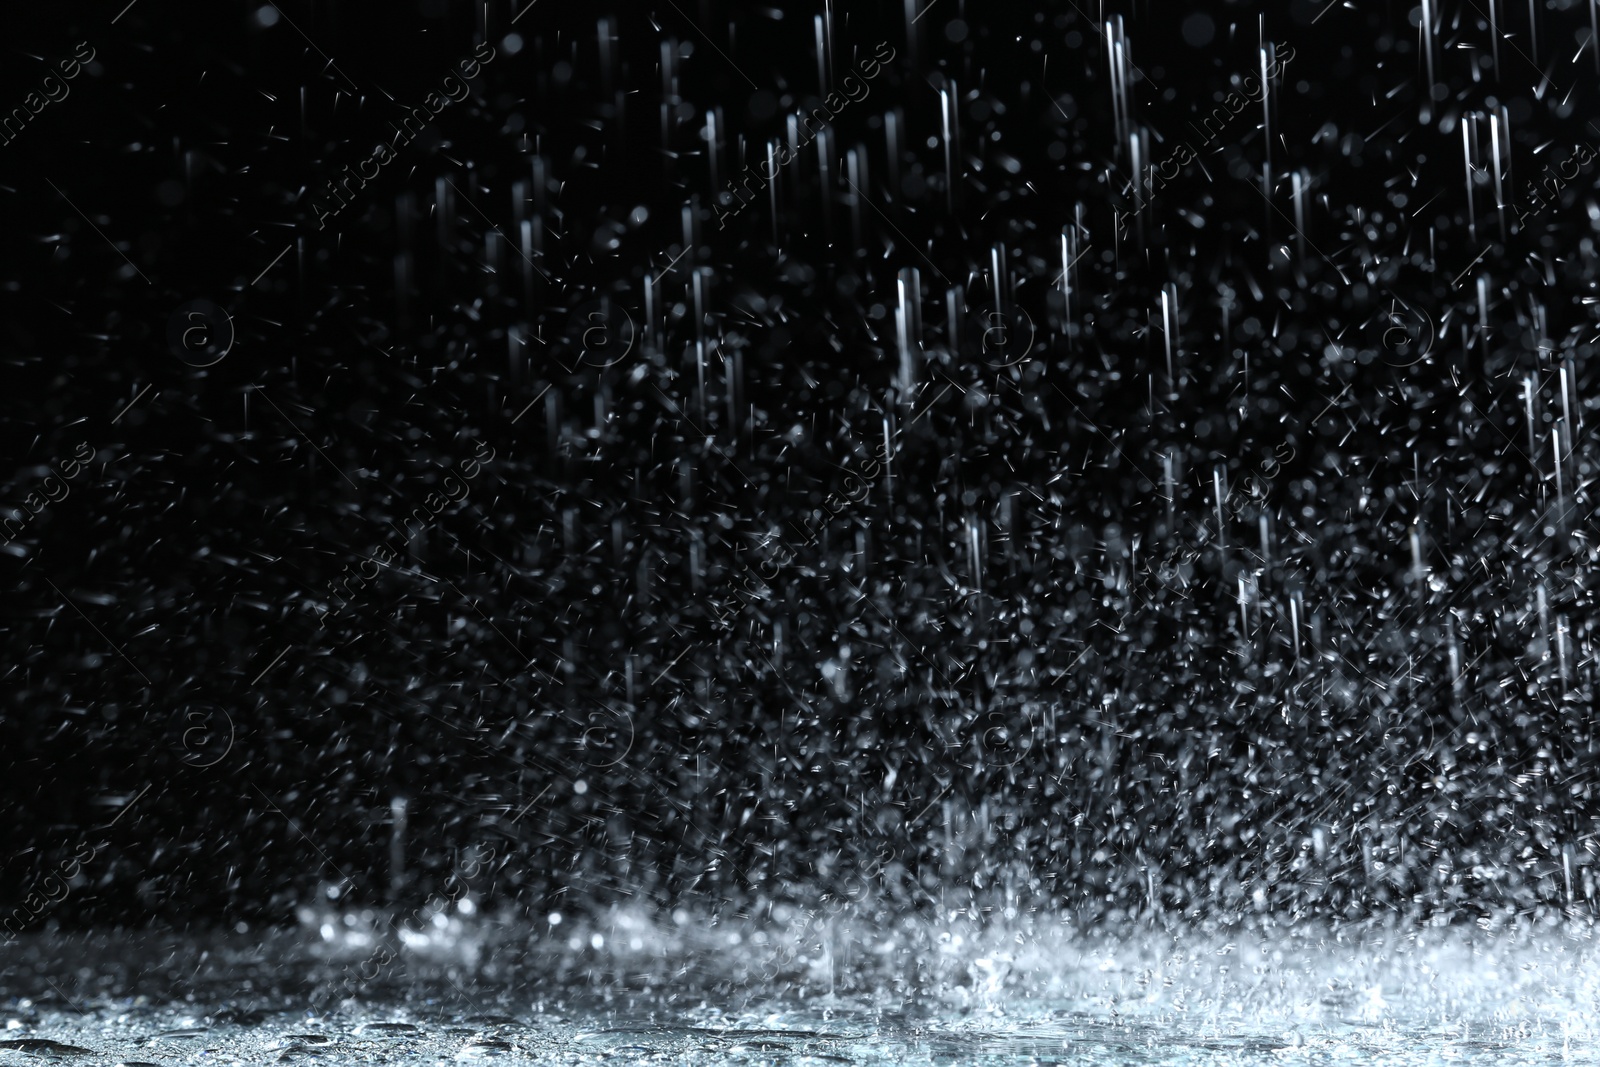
{"x": 705, "y": 532}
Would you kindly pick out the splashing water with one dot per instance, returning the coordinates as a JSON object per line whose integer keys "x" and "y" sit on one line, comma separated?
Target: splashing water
{"x": 922, "y": 532}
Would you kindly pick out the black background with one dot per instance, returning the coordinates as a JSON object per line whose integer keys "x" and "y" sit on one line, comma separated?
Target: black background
{"x": 1060, "y": 719}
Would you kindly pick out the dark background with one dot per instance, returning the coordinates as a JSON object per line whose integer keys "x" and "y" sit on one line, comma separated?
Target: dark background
{"x": 1014, "y": 672}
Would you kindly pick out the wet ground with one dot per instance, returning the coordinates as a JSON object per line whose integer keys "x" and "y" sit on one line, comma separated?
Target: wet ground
{"x": 719, "y": 996}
